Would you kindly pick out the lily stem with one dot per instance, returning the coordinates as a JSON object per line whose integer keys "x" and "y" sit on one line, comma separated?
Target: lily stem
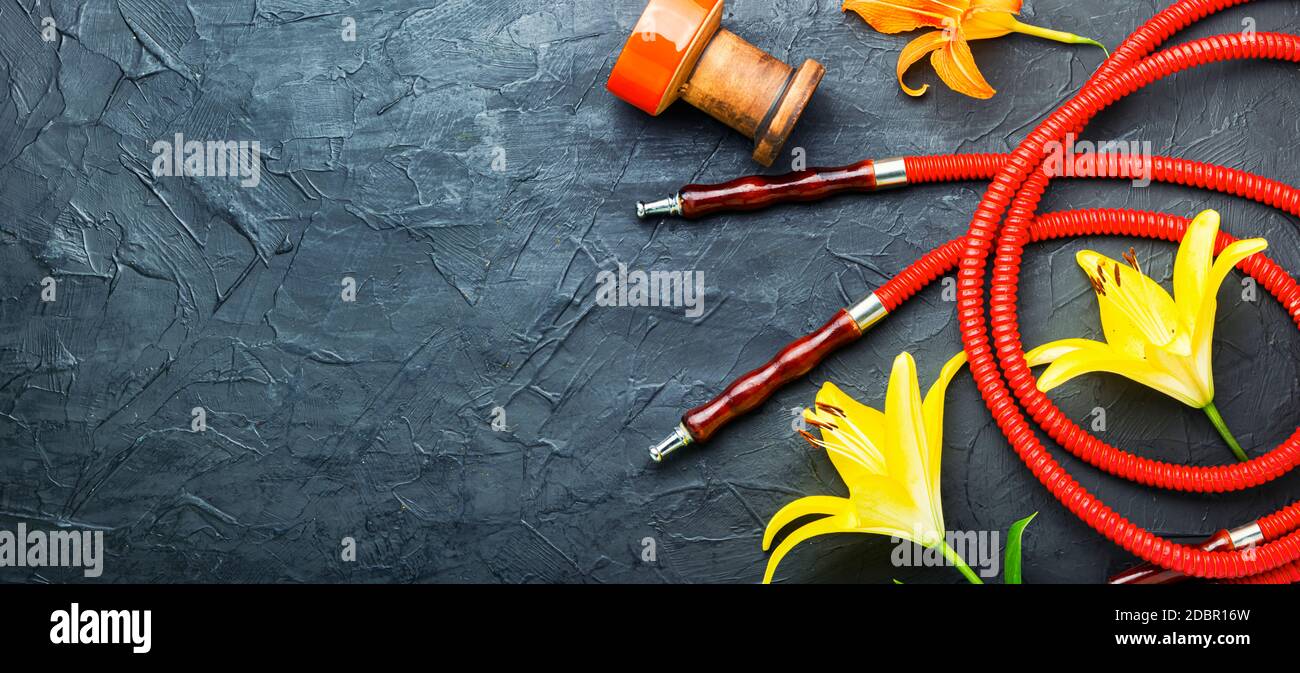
{"x": 1217, "y": 420}
{"x": 955, "y": 559}
{"x": 1055, "y": 35}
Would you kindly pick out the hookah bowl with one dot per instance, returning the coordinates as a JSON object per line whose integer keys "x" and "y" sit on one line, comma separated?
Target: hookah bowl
{"x": 679, "y": 49}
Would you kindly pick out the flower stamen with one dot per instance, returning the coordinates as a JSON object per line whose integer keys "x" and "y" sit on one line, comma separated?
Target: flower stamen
{"x": 832, "y": 410}
{"x": 1132, "y": 259}
{"x": 1098, "y": 284}
{"x": 821, "y": 424}
{"x": 831, "y": 448}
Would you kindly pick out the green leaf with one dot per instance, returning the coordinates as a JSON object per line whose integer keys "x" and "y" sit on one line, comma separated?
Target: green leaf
{"x": 1011, "y": 564}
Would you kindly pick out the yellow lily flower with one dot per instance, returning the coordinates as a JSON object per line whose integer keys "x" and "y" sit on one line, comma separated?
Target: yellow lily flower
{"x": 958, "y": 22}
{"x": 890, "y": 462}
{"x": 1160, "y": 341}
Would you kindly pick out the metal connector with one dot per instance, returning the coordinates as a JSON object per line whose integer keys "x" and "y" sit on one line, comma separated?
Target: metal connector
{"x": 1246, "y": 536}
{"x": 890, "y": 173}
{"x": 677, "y": 440}
{"x": 868, "y": 312}
{"x": 669, "y": 206}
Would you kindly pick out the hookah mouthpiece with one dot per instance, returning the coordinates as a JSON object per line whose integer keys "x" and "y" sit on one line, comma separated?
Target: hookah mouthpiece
{"x": 668, "y": 206}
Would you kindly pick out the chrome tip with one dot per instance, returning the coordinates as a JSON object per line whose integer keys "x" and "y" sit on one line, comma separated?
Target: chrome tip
{"x": 677, "y": 440}
{"x": 668, "y": 206}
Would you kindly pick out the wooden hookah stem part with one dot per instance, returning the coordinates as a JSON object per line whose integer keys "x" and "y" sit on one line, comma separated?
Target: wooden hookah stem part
{"x": 737, "y": 83}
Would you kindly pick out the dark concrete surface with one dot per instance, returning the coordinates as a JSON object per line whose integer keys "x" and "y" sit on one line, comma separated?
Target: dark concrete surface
{"x": 464, "y": 164}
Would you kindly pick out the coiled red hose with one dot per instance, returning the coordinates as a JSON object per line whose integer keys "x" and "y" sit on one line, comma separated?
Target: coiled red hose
{"x": 1006, "y": 220}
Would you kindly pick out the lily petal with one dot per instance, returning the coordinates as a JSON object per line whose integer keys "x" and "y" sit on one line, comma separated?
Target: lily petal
{"x": 987, "y": 25}
{"x": 956, "y": 67}
{"x": 1050, "y": 352}
{"x": 933, "y": 405}
{"x": 1088, "y": 361}
{"x": 915, "y": 51}
{"x": 905, "y": 429}
{"x": 1234, "y": 254}
{"x": 1192, "y": 264}
{"x": 1008, "y": 6}
{"x": 932, "y": 408}
{"x": 900, "y": 16}
{"x": 884, "y": 502}
{"x": 1203, "y": 322}
{"x": 813, "y": 504}
{"x": 832, "y": 524}
{"x": 988, "y": 19}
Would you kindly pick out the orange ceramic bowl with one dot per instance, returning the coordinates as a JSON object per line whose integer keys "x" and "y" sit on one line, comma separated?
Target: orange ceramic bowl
{"x": 667, "y": 40}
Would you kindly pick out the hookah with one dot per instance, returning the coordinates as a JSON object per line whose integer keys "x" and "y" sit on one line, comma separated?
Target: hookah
{"x": 1264, "y": 550}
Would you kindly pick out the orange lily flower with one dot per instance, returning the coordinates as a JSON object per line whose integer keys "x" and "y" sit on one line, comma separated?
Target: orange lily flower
{"x": 958, "y": 21}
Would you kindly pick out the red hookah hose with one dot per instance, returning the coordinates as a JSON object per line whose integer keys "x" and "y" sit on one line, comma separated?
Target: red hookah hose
{"x": 992, "y": 341}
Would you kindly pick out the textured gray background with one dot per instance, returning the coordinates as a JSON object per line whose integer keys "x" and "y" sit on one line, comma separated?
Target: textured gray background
{"x": 372, "y": 419}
